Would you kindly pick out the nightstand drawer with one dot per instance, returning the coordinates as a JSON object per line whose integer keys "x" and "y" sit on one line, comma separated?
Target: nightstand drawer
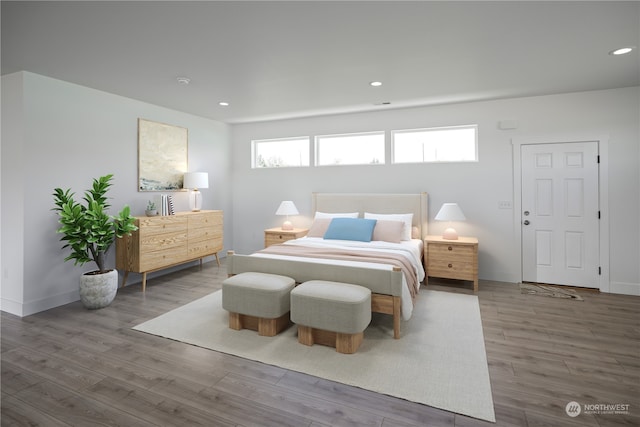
{"x": 274, "y": 236}
{"x": 278, "y": 238}
{"x": 446, "y": 251}
{"x": 451, "y": 269}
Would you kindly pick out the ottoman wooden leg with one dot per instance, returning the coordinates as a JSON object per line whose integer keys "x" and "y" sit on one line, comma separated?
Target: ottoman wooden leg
{"x": 265, "y": 327}
{"x": 272, "y": 327}
{"x": 348, "y": 343}
{"x": 343, "y": 343}
{"x": 235, "y": 321}
{"x": 239, "y": 321}
{"x": 305, "y": 335}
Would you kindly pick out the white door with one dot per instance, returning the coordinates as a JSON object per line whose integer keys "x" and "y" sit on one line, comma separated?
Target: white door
{"x": 560, "y": 243}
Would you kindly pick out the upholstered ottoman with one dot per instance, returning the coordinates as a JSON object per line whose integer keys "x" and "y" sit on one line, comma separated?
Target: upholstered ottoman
{"x": 258, "y": 301}
{"x": 331, "y": 313}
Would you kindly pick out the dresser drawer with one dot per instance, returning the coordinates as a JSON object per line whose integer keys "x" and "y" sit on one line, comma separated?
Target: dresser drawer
{"x": 204, "y": 247}
{"x": 201, "y": 234}
{"x": 205, "y": 220}
{"x": 162, "y": 241}
{"x": 153, "y": 260}
{"x": 161, "y": 224}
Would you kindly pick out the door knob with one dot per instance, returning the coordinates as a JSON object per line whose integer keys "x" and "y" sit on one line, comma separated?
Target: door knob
{"x": 526, "y": 222}
{"x": 526, "y": 213}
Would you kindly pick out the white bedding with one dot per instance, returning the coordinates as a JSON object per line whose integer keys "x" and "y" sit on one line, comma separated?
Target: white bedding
{"x": 410, "y": 249}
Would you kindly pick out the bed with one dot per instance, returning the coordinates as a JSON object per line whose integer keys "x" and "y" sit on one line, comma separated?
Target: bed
{"x": 392, "y": 270}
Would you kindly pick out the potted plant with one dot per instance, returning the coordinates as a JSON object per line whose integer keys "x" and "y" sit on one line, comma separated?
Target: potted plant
{"x": 151, "y": 209}
{"x": 90, "y": 232}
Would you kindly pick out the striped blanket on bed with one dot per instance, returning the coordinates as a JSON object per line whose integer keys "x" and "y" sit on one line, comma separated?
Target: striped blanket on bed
{"x": 345, "y": 254}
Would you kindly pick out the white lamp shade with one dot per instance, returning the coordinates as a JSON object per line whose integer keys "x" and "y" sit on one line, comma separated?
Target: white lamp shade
{"x": 287, "y": 208}
{"x": 196, "y": 180}
{"x": 450, "y": 212}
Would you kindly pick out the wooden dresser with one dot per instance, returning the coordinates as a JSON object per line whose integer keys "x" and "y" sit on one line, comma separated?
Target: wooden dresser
{"x": 165, "y": 241}
{"x": 452, "y": 259}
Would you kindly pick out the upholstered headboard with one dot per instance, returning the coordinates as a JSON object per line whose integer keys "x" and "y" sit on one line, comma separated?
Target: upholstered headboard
{"x": 375, "y": 203}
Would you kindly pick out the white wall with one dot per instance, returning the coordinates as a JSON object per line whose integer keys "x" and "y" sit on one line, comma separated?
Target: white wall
{"x": 12, "y": 193}
{"x": 477, "y": 187}
{"x": 57, "y": 134}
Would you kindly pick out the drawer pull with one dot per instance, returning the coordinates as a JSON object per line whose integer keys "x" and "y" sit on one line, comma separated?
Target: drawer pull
{"x": 450, "y": 248}
{"x": 450, "y": 265}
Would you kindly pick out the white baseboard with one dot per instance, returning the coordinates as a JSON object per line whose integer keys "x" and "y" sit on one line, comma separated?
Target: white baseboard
{"x": 625, "y": 288}
{"x": 32, "y": 307}
{"x": 11, "y": 307}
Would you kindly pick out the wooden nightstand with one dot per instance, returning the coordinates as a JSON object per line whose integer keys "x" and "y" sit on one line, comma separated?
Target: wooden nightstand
{"x": 452, "y": 259}
{"x": 276, "y": 235}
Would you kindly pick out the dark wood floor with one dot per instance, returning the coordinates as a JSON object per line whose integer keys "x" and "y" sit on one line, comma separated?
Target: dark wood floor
{"x": 73, "y": 367}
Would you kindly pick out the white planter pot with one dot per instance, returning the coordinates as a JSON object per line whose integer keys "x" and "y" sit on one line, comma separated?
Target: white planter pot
{"x": 98, "y": 290}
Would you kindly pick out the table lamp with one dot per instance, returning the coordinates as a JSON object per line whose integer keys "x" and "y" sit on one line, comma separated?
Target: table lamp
{"x": 450, "y": 212}
{"x": 287, "y": 208}
{"x": 194, "y": 181}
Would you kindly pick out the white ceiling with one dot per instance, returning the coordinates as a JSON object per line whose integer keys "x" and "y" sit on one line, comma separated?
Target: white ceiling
{"x": 274, "y": 60}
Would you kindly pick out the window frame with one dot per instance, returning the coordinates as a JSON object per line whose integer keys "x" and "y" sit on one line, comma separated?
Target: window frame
{"x": 255, "y": 142}
{"x": 475, "y": 127}
{"x": 316, "y": 148}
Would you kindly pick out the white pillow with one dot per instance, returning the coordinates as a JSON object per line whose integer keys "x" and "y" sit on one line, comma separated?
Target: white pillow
{"x": 336, "y": 215}
{"x": 406, "y": 218}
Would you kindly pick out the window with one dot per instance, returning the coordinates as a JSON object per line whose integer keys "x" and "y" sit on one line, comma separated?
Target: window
{"x": 279, "y": 153}
{"x": 350, "y": 149}
{"x": 450, "y": 144}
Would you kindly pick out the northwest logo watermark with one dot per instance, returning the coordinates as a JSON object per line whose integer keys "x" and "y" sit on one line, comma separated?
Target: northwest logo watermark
{"x": 573, "y": 409}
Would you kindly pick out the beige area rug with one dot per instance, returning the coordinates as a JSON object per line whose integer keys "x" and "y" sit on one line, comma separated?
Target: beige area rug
{"x": 439, "y": 361}
{"x": 549, "y": 291}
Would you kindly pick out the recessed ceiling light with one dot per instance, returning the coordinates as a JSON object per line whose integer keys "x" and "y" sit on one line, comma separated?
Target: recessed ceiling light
{"x": 183, "y": 80}
{"x": 223, "y": 104}
{"x": 375, "y": 84}
{"x": 622, "y": 50}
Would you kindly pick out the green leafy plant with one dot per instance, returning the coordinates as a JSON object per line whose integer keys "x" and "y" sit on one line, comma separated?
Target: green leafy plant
{"x": 151, "y": 206}
{"x": 87, "y": 229}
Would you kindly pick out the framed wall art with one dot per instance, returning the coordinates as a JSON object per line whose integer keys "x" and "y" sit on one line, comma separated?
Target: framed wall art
{"x": 162, "y": 156}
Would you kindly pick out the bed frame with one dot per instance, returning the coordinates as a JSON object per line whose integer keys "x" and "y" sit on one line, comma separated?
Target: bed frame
{"x": 385, "y": 285}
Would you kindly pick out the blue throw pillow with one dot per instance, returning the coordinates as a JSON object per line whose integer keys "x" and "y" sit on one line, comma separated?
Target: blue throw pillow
{"x": 358, "y": 229}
